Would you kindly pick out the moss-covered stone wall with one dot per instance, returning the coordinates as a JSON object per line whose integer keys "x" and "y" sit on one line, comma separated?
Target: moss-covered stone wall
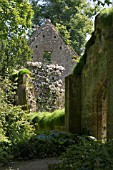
{"x": 96, "y": 86}
{"x": 25, "y": 93}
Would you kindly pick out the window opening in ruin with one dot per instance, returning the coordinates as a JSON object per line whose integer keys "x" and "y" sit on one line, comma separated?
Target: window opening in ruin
{"x": 60, "y": 47}
{"x": 54, "y": 36}
{"x": 36, "y": 46}
{"x": 43, "y": 35}
{"x": 47, "y": 57}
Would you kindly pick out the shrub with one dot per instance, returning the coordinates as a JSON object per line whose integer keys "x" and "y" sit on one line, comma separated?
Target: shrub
{"x": 86, "y": 155}
{"x": 44, "y": 145}
{"x": 15, "y": 123}
{"x": 4, "y": 149}
{"x": 47, "y": 120}
{"x": 14, "y": 126}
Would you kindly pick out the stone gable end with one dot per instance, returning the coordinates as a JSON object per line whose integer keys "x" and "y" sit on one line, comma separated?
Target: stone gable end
{"x": 47, "y": 39}
{"x": 52, "y": 62}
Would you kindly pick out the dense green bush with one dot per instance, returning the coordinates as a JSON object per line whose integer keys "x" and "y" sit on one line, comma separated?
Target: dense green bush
{"x": 47, "y": 120}
{"x": 4, "y": 149}
{"x": 86, "y": 155}
{"x": 14, "y": 126}
{"x": 44, "y": 145}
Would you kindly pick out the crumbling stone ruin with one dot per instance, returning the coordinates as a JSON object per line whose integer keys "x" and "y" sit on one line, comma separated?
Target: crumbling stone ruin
{"x": 89, "y": 90}
{"x": 52, "y": 62}
{"x": 25, "y": 93}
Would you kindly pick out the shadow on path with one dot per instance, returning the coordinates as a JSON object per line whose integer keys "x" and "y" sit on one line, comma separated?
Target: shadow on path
{"x": 37, "y": 164}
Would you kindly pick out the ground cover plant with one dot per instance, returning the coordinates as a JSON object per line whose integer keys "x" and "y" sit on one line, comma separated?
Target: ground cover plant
{"x": 22, "y": 139}
{"x": 43, "y": 145}
{"x": 87, "y": 155}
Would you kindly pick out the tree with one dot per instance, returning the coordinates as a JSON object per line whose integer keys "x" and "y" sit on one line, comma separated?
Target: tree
{"x": 72, "y": 18}
{"x": 15, "y": 19}
{"x": 106, "y": 2}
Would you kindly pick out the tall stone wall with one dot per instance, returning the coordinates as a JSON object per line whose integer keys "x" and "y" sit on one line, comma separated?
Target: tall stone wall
{"x": 96, "y": 86}
{"x": 73, "y": 104}
{"x": 93, "y": 78}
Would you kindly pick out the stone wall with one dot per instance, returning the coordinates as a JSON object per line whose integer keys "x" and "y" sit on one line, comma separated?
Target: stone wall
{"x": 52, "y": 62}
{"x": 95, "y": 94}
{"x": 47, "y": 39}
{"x": 25, "y": 93}
{"x": 73, "y": 104}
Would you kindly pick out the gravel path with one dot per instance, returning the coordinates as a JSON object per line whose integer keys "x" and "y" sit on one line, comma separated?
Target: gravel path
{"x": 37, "y": 164}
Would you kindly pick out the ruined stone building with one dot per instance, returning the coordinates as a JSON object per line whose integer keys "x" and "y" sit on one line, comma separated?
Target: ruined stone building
{"x": 52, "y": 62}
{"x": 89, "y": 90}
{"x": 49, "y": 47}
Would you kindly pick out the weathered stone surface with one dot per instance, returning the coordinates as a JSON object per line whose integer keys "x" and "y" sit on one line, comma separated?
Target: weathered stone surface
{"x": 50, "y": 55}
{"x": 96, "y": 86}
{"x": 25, "y": 93}
{"x": 73, "y": 104}
{"x": 47, "y": 39}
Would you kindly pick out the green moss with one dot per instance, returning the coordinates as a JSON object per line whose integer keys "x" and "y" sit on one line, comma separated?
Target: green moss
{"x": 15, "y": 75}
{"x": 106, "y": 17}
{"x": 47, "y": 120}
{"x": 24, "y": 71}
{"x": 78, "y": 69}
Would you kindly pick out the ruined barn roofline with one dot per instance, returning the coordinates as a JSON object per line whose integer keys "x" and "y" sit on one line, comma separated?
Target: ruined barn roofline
{"x": 38, "y": 31}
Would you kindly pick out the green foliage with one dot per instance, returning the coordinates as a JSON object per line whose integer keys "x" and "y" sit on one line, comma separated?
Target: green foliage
{"x": 44, "y": 145}
{"x": 72, "y": 18}
{"x": 15, "y": 76}
{"x": 64, "y": 32}
{"x": 24, "y": 71}
{"x": 106, "y": 2}
{"x": 4, "y": 150}
{"x": 7, "y": 91}
{"x": 88, "y": 155}
{"x": 47, "y": 120}
{"x": 5, "y": 155}
{"x": 14, "y": 126}
{"x": 106, "y": 17}
{"x": 79, "y": 67}
{"x": 15, "y": 19}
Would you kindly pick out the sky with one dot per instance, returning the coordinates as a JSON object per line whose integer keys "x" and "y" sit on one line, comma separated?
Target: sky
{"x": 87, "y": 1}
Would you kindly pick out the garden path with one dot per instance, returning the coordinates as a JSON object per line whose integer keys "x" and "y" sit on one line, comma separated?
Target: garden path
{"x": 37, "y": 164}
